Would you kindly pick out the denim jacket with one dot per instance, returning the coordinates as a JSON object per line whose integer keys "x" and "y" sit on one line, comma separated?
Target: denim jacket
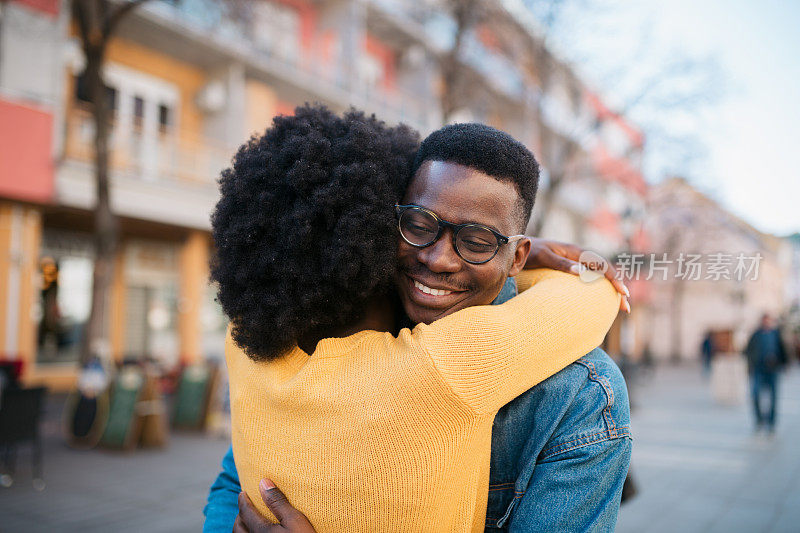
{"x": 560, "y": 453}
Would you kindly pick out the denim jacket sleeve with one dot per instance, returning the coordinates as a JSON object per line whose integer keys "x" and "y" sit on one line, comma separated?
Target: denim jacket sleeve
{"x": 576, "y": 490}
{"x": 222, "y": 506}
{"x": 560, "y": 452}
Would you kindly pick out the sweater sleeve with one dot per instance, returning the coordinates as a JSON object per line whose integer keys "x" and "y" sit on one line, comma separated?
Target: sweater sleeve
{"x": 489, "y": 355}
{"x": 527, "y": 278}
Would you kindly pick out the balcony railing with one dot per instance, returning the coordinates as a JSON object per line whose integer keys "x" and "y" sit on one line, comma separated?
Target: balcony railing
{"x": 499, "y": 71}
{"x": 415, "y": 10}
{"x": 169, "y": 156}
{"x": 333, "y": 78}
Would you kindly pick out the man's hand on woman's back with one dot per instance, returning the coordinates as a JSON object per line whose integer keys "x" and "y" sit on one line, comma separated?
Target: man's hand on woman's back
{"x": 290, "y": 520}
{"x": 572, "y": 258}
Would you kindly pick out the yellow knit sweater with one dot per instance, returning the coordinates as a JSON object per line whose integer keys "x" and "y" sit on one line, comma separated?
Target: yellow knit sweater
{"x": 381, "y": 433}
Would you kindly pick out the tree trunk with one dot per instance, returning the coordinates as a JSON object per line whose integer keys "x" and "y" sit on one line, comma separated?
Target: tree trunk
{"x": 465, "y": 14}
{"x": 96, "y": 338}
{"x": 544, "y": 203}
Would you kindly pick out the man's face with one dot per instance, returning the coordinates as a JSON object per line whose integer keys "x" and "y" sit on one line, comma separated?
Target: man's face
{"x": 460, "y": 195}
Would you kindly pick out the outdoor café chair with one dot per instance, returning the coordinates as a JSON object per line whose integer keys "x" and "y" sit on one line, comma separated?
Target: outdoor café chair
{"x": 20, "y": 411}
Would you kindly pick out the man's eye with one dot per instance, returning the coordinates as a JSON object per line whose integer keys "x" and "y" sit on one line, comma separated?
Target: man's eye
{"x": 420, "y": 229}
{"x": 477, "y": 245}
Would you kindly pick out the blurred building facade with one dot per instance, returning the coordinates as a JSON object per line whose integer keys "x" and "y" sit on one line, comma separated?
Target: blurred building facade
{"x": 793, "y": 287}
{"x": 711, "y": 271}
{"x": 189, "y": 84}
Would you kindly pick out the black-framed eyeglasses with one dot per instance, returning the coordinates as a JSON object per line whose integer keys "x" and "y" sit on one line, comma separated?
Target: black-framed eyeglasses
{"x": 474, "y": 243}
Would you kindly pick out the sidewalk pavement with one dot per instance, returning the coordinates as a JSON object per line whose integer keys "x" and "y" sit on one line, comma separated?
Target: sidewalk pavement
{"x": 701, "y": 467}
{"x": 103, "y": 490}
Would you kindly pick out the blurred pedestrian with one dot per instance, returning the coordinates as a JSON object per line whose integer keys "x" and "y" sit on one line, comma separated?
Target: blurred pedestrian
{"x": 707, "y": 352}
{"x": 766, "y": 357}
{"x": 49, "y": 326}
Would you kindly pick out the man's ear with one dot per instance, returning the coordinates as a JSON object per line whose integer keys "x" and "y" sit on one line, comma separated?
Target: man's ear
{"x": 520, "y": 256}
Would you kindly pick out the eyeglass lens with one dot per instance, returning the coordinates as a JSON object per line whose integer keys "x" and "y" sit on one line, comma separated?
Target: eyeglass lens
{"x": 473, "y": 243}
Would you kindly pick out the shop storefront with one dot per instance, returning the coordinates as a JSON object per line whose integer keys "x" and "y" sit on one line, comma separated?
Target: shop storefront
{"x": 161, "y": 307}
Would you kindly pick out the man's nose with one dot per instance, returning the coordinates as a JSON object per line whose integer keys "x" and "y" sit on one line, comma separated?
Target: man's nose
{"x": 441, "y": 256}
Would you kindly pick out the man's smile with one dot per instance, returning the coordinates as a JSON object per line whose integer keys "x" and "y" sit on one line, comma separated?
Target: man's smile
{"x": 430, "y": 290}
{"x": 432, "y": 294}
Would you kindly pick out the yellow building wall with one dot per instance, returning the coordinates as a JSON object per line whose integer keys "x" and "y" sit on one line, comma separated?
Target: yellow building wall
{"x": 262, "y": 105}
{"x": 5, "y": 265}
{"x": 193, "y": 261}
{"x": 29, "y": 282}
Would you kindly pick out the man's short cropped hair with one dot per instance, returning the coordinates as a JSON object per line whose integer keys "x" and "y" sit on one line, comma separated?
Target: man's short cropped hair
{"x": 487, "y": 150}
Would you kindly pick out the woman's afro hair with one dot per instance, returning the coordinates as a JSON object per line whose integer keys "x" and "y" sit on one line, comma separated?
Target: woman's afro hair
{"x": 305, "y": 230}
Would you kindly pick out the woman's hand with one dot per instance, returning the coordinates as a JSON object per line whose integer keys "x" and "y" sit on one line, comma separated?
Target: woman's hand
{"x": 567, "y": 257}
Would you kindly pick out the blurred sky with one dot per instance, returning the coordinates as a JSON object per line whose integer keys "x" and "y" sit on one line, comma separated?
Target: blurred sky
{"x": 752, "y": 134}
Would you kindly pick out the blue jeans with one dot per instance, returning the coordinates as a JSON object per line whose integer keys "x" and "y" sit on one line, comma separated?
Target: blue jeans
{"x": 560, "y": 453}
{"x": 760, "y": 381}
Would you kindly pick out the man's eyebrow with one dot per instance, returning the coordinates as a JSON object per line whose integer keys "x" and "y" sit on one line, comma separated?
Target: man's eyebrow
{"x": 490, "y": 226}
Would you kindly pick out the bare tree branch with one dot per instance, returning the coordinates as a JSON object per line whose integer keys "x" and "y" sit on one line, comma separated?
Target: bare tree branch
{"x": 466, "y": 15}
{"x": 113, "y": 20}
{"x": 82, "y": 19}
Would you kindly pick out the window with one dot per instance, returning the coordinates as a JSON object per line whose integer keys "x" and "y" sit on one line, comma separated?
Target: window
{"x": 66, "y": 270}
{"x": 83, "y": 94}
{"x": 111, "y": 98}
{"x": 82, "y": 89}
{"x": 277, "y": 30}
{"x": 164, "y": 118}
{"x": 370, "y": 70}
{"x": 138, "y": 112}
{"x": 151, "y": 302}
{"x": 152, "y": 322}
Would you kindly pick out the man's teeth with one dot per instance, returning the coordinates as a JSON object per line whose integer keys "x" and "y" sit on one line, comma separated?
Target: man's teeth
{"x": 428, "y": 290}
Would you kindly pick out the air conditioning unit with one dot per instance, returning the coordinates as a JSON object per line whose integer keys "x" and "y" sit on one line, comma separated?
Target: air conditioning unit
{"x": 213, "y": 97}
{"x": 413, "y": 57}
